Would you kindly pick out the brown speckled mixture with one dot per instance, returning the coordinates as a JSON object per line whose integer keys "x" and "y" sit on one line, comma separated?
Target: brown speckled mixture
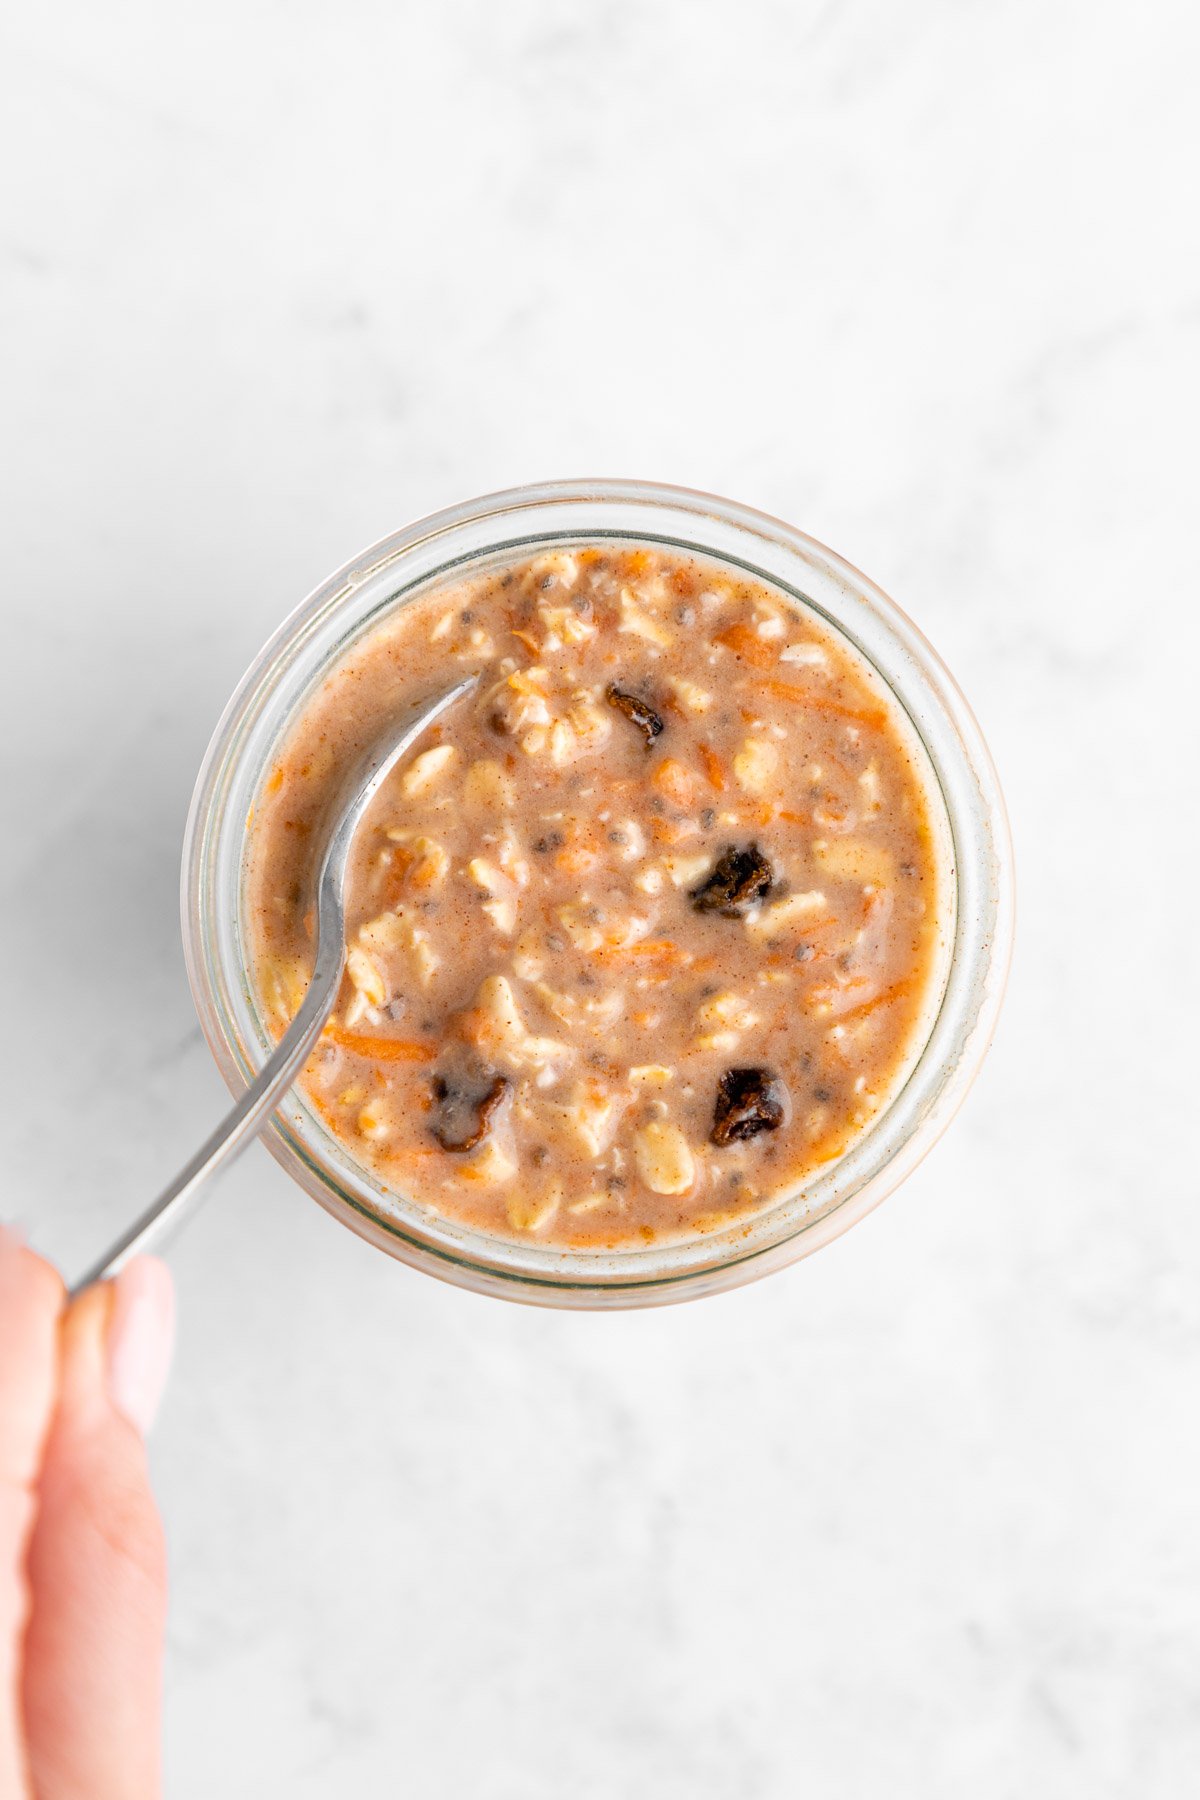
{"x": 642, "y": 934}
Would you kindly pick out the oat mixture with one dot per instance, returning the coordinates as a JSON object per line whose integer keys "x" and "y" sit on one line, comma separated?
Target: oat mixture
{"x": 641, "y": 933}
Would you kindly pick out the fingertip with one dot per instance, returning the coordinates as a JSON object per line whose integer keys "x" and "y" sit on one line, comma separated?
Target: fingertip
{"x": 98, "y": 1561}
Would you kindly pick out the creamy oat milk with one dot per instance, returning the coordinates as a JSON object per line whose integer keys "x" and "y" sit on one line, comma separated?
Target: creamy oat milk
{"x": 642, "y": 934}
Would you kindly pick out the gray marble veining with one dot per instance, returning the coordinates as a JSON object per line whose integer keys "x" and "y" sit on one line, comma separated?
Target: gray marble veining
{"x": 919, "y": 1516}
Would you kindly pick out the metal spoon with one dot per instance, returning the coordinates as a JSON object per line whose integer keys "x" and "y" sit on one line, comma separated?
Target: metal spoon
{"x": 247, "y": 1118}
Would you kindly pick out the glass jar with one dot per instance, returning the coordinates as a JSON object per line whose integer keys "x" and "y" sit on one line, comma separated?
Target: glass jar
{"x": 977, "y": 877}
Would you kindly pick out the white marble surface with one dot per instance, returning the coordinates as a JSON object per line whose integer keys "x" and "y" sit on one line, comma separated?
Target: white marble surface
{"x": 919, "y": 1517}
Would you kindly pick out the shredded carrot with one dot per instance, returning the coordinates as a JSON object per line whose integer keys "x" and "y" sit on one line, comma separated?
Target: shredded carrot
{"x": 276, "y": 781}
{"x": 380, "y": 1049}
{"x": 747, "y": 644}
{"x": 896, "y": 992}
{"x": 530, "y": 642}
{"x": 657, "y": 949}
{"x": 821, "y": 703}
{"x": 712, "y": 766}
{"x": 794, "y": 818}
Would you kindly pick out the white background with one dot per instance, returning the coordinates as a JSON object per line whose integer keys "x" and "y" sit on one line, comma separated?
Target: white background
{"x": 920, "y": 1516}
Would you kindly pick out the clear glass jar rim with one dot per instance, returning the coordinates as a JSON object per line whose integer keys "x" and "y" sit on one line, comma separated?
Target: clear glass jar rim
{"x": 516, "y": 520}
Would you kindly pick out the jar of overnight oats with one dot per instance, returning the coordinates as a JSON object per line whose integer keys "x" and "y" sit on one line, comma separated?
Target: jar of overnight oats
{"x": 671, "y": 949}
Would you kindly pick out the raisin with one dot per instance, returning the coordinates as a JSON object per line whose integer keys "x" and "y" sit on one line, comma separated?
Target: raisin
{"x": 466, "y": 1115}
{"x": 637, "y": 712}
{"x": 739, "y": 878}
{"x": 748, "y": 1101}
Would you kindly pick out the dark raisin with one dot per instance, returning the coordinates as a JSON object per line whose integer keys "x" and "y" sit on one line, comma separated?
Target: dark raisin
{"x": 465, "y": 1113}
{"x": 739, "y": 878}
{"x": 748, "y": 1101}
{"x": 823, "y": 1094}
{"x": 708, "y": 818}
{"x": 637, "y": 712}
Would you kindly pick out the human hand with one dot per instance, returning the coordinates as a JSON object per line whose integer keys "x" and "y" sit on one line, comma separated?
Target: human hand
{"x": 83, "y": 1577}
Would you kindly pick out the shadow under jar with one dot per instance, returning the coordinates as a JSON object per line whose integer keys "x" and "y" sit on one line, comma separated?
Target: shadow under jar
{"x": 650, "y": 655}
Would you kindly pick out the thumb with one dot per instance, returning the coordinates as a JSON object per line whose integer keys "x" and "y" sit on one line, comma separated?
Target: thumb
{"x": 97, "y": 1564}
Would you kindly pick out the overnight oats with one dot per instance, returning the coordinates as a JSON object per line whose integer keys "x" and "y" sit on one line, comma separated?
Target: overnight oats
{"x": 644, "y": 934}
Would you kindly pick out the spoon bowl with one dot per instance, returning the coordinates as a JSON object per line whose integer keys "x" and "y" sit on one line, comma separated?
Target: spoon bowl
{"x": 245, "y": 1120}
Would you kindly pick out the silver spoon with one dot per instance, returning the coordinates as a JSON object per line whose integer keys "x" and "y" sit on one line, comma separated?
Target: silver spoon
{"x": 247, "y": 1118}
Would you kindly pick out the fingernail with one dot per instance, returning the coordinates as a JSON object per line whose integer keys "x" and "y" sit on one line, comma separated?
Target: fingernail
{"x": 141, "y": 1337}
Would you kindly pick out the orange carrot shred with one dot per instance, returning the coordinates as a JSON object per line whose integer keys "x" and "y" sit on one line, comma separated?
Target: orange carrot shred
{"x": 380, "y": 1049}
{"x": 822, "y": 703}
{"x": 748, "y": 645}
{"x": 896, "y": 992}
{"x": 712, "y": 766}
{"x": 660, "y": 949}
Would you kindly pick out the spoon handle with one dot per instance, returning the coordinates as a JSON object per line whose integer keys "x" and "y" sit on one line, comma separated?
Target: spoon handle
{"x": 239, "y": 1127}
